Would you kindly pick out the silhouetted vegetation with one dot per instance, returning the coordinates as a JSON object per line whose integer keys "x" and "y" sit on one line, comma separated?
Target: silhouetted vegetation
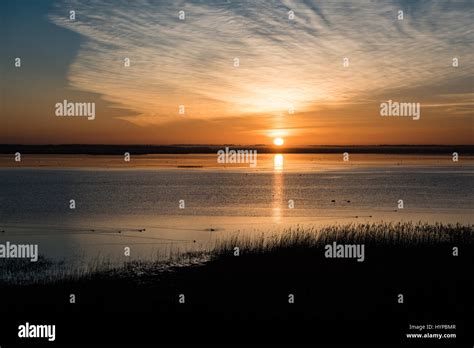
{"x": 415, "y": 260}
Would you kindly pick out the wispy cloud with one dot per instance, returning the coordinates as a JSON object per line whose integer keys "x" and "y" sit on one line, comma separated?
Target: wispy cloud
{"x": 283, "y": 62}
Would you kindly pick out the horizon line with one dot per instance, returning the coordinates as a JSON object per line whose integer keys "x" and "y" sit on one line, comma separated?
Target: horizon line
{"x": 264, "y": 145}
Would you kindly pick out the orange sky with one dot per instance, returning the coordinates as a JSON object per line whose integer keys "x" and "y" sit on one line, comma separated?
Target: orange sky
{"x": 239, "y": 73}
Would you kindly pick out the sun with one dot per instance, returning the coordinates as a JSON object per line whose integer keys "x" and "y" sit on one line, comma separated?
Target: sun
{"x": 278, "y": 141}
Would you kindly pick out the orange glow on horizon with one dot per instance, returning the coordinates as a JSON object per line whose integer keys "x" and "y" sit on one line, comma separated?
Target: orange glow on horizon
{"x": 278, "y": 141}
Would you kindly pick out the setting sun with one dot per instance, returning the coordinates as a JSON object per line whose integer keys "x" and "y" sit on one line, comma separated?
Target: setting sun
{"x": 278, "y": 141}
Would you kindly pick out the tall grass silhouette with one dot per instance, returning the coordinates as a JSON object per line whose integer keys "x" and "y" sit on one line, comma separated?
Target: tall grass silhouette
{"x": 287, "y": 247}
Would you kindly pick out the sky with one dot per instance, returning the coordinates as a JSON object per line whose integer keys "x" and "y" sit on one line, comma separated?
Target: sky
{"x": 244, "y": 71}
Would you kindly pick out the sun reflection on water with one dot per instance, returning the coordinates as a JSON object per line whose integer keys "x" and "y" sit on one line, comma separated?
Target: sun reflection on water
{"x": 278, "y": 162}
{"x": 277, "y": 199}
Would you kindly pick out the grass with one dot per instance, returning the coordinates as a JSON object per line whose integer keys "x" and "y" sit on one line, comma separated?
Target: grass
{"x": 399, "y": 234}
{"x": 297, "y": 241}
{"x": 331, "y": 295}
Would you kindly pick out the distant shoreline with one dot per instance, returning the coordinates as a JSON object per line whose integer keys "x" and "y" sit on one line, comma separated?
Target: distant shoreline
{"x": 208, "y": 149}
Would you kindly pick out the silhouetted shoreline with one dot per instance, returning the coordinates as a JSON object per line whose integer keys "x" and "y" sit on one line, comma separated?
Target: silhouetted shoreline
{"x": 361, "y": 299}
{"x": 205, "y": 149}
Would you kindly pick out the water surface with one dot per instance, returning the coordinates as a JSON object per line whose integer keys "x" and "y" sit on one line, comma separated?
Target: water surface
{"x": 139, "y": 206}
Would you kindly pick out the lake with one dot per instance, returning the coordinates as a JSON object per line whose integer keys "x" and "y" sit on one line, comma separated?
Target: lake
{"x": 159, "y": 204}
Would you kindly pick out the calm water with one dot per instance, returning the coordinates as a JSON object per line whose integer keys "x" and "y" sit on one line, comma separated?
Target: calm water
{"x": 113, "y": 206}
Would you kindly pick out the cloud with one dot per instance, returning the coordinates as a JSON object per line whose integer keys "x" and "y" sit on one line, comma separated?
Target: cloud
{"x": 282, "y": 62}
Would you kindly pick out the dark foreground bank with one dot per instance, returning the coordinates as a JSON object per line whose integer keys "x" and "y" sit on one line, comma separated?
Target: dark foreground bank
{"x": 414, "y": 279}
